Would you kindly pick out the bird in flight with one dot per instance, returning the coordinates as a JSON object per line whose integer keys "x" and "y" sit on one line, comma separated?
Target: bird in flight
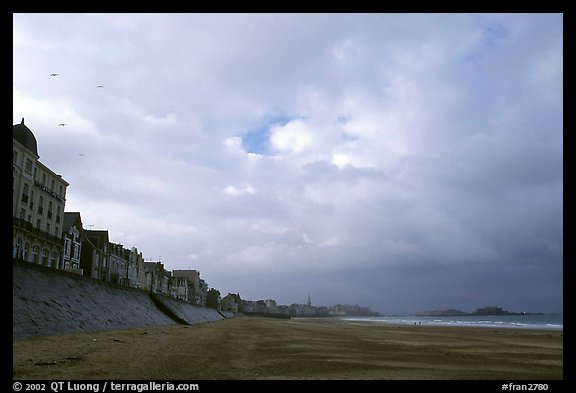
{"x": 81, "y": 154}
{"x": 99, "y": 86}
{"x": 53, "y": 74}
{"x": 62, "y": 124}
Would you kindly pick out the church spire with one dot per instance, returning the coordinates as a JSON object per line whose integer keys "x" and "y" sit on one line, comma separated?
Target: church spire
{"x": 309, "y": 302}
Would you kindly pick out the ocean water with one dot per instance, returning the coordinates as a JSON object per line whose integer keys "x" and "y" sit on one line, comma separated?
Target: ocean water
{"x": 546, "y": 322}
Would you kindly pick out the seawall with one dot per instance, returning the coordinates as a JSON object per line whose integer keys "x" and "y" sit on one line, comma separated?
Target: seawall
{"x": 48, "y": 302}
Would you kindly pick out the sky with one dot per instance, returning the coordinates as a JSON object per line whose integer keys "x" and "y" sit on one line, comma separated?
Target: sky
{"x": 403, "y": 162}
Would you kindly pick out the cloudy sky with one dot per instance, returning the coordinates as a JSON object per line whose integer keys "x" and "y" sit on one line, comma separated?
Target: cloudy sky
{"x": 401, "y": 162}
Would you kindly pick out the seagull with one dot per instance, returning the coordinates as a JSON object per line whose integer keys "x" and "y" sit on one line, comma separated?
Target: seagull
{"x": 81, "y": 154}
{"x": 62, "y": 124}
{"x": 99, "y": 86}
{"x": 53, "y": 74}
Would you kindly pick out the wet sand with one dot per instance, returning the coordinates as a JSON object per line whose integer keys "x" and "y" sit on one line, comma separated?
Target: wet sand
{"x": 250, "y": 348}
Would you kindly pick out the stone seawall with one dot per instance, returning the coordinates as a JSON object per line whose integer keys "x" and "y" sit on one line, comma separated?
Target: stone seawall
{"x": 47, "y": 301}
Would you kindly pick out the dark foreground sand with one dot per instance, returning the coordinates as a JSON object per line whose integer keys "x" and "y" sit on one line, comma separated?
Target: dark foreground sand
{"x": 266, "y": 348}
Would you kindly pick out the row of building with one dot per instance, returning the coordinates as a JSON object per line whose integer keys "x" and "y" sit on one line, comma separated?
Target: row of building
{"x": 44, "y": 233}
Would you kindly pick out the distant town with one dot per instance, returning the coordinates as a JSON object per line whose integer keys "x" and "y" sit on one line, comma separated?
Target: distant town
{"x": 484, "y": 311}
{"x": 43, "y": 233}
{"x": 269, "y": 308}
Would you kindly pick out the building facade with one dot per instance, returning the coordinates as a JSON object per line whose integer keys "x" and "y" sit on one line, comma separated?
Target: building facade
{"x": 119, "y": 265}
{"x": 194, "y": 290}
{"x": 136, "y": 276}
{"x": 38, "y": 199}
{"x": 156, "y": 278}
{"x": 94, "y": 254}
{"x": 231, "y": 302}
{"x": 72, "y": 234}
{"x": 180, "y": 288}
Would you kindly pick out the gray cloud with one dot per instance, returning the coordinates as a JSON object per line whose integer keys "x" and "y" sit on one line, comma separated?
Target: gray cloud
{"x": 399, "y": 161}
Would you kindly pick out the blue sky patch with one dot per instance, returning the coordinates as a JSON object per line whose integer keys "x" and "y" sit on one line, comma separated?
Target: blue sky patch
{"x": 258, "y": 140}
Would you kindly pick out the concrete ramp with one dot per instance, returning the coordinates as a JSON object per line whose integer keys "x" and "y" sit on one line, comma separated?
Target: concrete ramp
{"x": 227, "y": 314}
{"x": 187, "y": 312}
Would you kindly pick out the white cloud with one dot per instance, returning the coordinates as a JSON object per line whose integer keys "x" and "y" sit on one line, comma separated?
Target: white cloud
{"x": 238, "y": 191}
{"x": 269, "y": 227}
{"x": 253, "y": 258}
{"x": 341, "y": 160}
{"x": 169, "y": 119}
{"x": 293, "y": 137}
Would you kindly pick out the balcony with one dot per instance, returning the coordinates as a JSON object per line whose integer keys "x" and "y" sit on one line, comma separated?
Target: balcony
{"x": 36, "y": 232}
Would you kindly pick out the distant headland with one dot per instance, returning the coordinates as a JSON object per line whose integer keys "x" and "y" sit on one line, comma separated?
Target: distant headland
{"x": 484, "y": 311}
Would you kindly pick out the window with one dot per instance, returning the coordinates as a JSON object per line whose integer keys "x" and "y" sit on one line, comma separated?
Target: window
{"x": 41, "y": 205}
{"x": 52, "y": 261}
{"x": 38, "y": 224}
{"x": 28, "y": 166}
{"x": 48, "y": 227}
{"x": 17, "y": 247}
{"x": 44, "y": 257}
{"x": 34, "y": 254}
{"x": 15, "y": 157}
{"x": 25, "y": 194}
{"x": 67, "y": 248}
{"x": 52, "y": 185}
{"x": 43, "y": 179}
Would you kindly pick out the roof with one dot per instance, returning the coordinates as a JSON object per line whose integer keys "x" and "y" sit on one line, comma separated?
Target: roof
{"x": 23, "y": 135}
{"x": 72, "y": 219}
{"x": 98, "y": 237}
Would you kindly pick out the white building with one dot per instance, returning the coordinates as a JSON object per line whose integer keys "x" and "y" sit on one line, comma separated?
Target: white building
{"x": 38, "y": 198}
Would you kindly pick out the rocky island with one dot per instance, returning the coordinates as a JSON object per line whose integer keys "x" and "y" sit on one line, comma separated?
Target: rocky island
{"x": 483, "y": 311}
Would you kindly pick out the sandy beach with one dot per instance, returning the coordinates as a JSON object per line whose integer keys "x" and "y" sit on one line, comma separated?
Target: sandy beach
{"x": 251, "y": 348}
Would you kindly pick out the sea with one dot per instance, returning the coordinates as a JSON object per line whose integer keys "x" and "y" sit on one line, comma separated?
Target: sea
{"x": 541, "y": 322}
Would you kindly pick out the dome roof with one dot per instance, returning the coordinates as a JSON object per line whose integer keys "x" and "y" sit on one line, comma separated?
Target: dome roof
{"x": 23, "y": 135}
